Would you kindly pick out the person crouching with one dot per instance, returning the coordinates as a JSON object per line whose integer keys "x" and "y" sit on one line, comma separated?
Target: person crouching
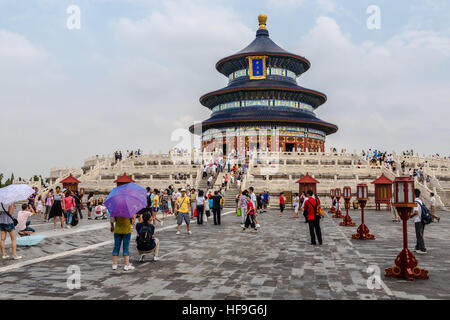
{"x": 146, "y": 241}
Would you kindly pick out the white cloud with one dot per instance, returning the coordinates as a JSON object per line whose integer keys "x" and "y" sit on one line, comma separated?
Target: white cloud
{"x": 325, "y": 5}
{"x": 146, "y": 90}
{"x": 380, "y": 94}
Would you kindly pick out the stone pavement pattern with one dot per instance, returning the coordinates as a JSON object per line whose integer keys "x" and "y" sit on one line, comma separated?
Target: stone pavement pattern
{"x": 222, "y": 262}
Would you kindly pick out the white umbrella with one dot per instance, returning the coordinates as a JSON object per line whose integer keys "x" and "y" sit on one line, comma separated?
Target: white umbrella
{"x": 14, "y": 193}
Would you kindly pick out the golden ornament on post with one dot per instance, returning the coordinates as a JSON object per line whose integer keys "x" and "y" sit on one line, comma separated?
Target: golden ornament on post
{"x": 262, "y": 18}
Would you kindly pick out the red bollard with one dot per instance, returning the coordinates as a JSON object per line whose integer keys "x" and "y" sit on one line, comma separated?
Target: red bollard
{"x": 406, "y": 265}
{"x": 362, "y": 233}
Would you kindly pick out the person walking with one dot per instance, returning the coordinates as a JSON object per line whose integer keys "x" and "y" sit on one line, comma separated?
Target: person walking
{"x": 242, "y": 204}
{"x": 77, "y": 197}
{"x": 433, "y": 207}
{"x": 69, "y": 203}
{"x": 48, "y": 204}
{"x": 90, "y": 204}
{"x": 182, "y": 211}
{"x": 7, "y": 227}
{"x": 254, "y": 201}
{"x": 250, "y": 215}
{"x": 193, "y": 201}
{"x": 207, "y": 208}
{"x": 296, "y": 201}
{"x": 310, "y": 208}
{"x": 200, "y": 200}
{"x": 155, "y": 207}
{"x": 122, "y": 227}
{"x": 216, "y": 207}
{"x": 165, "y": 203}
{"x": 265, "y": 200}
{"x": 418, "y": 224}
{"x": 282, "y": 203}
{"x": 58, "y": 208}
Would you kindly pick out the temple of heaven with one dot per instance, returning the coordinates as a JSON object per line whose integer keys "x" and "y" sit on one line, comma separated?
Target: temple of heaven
{"x": 263, "y": 107}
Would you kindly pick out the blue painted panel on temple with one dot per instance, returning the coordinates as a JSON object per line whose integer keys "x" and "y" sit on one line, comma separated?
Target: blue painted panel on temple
{"x": 257, "y": 65}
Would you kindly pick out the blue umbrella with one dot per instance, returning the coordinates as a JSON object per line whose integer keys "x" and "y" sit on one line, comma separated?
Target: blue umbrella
{"x": 126, "y": 200}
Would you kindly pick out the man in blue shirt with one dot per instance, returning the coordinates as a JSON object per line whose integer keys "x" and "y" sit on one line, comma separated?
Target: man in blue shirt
{"x": 265, "y": 200}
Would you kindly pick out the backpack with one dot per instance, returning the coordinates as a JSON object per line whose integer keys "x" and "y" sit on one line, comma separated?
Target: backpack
{"x": 318, "y": 211}
{"x": 145, "y": 239}
{"x": 426, "y": 214}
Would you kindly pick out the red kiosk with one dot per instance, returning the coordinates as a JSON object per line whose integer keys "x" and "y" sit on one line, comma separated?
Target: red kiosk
{"x": 383, "y": 192}
{"x": 70, "y": 183}
{"x": 307, "y": 183}
{"x": 123, "y": 180}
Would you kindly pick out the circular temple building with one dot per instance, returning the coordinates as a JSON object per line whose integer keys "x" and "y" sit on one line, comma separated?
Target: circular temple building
{"x": 263, "y": 107}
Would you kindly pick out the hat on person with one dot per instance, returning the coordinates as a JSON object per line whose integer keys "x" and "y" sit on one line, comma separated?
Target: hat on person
{"x": 183, "y": 190}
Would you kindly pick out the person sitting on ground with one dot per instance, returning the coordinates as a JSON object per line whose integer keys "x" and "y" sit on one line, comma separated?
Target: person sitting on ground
{"x": 145, "y": 240}
{"x": 23, "y": 228}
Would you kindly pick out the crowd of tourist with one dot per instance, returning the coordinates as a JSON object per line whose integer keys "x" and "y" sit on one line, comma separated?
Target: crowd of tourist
{"x": 129, "y": 154}
{"x": 187, "y": 203}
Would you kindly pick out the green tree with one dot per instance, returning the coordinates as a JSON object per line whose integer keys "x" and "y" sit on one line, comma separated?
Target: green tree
{"x": 1, "y": 178}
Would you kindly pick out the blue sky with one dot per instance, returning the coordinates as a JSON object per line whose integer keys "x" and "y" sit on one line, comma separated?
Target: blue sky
{"x": 132, "y": 75}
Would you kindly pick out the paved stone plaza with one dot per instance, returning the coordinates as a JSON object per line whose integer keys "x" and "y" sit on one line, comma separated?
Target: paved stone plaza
{"x": 222, "y": 262}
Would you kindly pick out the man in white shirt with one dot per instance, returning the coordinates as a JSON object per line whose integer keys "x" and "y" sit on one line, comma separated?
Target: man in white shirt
{"x": 433, "y": 207}
{"x": 420, "y": 227}
{"x": 210, "y": 181}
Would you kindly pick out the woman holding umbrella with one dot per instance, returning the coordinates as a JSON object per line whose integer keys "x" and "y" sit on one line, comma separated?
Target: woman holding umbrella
{"x": 7, "y": 226}
{"x": 123, "y": 203}
{"x": 58, "y": 208}
{"x": 122, "y": 227}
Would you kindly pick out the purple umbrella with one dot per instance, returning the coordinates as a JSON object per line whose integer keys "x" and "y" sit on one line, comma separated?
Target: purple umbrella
{"x": 126, "y": 200}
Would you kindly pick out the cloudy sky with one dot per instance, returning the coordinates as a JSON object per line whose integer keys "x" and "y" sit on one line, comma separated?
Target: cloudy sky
{"x": 131, "y": 76}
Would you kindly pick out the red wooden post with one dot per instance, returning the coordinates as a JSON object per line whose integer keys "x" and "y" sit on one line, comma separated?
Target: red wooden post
{"x": 338, "y": 214}
{"x": 406, "y": 265}
{"x": 347, "y": 221}
{"x": 362, "y": 195}
{"x": 332, "y": 195}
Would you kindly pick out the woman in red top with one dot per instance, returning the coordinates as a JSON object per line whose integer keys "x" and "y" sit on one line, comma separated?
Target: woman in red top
{"x": 250, "y": 220}
{"x": 69, "y": 203}
{"x": 282, "y": 203}
{"x": 310, "y": 212}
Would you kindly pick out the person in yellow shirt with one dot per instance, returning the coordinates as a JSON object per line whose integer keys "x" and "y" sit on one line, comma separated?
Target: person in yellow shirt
{"x": 155, "y": 207}
{"x": 122, "y": 226}
{"x": 182, "y": 211}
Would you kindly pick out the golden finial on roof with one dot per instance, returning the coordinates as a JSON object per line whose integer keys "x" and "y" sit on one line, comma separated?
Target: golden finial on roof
{"x": 262, "y": 18}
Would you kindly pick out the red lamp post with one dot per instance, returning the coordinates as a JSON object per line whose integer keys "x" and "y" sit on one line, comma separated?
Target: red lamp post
{"x": 338, "y": 213}
{"x": 332, "y": 195}
{"x": 405, "y": 263}
{"x": 362, "y": 195}
{"x": 347, "y": 221}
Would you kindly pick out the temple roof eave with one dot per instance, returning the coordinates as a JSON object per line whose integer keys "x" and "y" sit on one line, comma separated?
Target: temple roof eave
{"x": 326, "y": 127}
{"x": 211, "y": 99}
